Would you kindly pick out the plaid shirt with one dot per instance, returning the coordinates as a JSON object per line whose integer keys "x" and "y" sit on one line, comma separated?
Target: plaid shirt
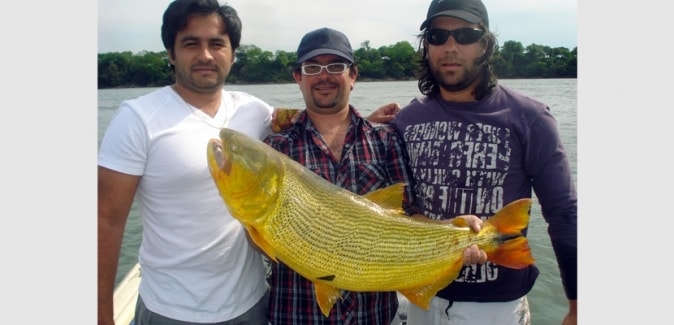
{"x": 373, "y": 157}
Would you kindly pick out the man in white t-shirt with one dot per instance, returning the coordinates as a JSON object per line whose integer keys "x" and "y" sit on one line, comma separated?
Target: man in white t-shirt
{"x": 196, "y": 262}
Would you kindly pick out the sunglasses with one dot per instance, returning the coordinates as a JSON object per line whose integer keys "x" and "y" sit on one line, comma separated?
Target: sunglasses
{"x": 333, "y": 68}
{"x": 462, "y": 36}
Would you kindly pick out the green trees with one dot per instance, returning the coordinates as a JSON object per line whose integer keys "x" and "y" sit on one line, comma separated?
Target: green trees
{"x": 535, "y": 61}
{"x": 254, "y": 65}
{"x": 124, "y": 69}
{"x": 394, "y": 62}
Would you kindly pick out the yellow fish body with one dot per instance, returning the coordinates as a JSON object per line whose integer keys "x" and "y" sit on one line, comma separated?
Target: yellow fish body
{"x": 341, "y": 240}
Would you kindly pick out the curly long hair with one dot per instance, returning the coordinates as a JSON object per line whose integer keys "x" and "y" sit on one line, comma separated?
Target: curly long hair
{"x": 428, "y": 85}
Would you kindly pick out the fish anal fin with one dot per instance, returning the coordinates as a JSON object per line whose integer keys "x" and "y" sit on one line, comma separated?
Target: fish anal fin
{"x": 390, "y": 197}
{"x": 422, "y": 296}
{"x": 261, "y": 243}
{"x": 326, "y": 296}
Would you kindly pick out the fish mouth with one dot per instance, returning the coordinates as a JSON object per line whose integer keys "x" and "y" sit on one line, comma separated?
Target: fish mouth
{"x": 216, "y": 152}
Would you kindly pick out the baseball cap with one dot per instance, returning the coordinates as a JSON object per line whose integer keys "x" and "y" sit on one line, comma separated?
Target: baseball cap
{"x": 472, "y": 11}
{"x": 324, "y": 41}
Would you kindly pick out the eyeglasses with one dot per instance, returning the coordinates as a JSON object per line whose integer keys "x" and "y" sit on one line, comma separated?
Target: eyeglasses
{"x": 333, "y": 68}
{"x": 462, "y": 36}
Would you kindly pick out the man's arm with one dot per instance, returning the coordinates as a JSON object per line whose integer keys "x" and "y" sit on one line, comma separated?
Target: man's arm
{"x": 572, "y": 317}
{"x": 115, "y": 196}
{"x": 384, "y": 114}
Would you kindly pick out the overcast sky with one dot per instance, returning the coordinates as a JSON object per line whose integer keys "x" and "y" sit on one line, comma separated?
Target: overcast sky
{"x": 134, "y": 25}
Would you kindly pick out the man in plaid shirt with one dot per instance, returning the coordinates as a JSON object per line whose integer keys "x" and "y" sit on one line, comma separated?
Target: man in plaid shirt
{"x": 332, "y": 139}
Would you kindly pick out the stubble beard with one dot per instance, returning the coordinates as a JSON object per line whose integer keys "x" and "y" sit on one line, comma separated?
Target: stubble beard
{"x": 449, "y": 82}
{"x": 201, "y": 85}
{"x": 322, "y": 102}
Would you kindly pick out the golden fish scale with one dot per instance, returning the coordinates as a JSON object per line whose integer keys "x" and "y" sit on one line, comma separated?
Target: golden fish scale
{"x": 319, "y": 233}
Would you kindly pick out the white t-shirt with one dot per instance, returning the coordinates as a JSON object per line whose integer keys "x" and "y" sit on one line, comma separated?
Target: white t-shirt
{"x": 196, "y": 263}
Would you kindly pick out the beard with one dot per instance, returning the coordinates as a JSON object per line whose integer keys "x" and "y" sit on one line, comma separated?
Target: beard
{"x": 191, "y": 80}
{"x": 456, "y": 80}
{"x": 326, "y": 103}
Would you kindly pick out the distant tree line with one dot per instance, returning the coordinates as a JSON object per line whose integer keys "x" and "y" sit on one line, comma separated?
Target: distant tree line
{"x": 394, "y": 62}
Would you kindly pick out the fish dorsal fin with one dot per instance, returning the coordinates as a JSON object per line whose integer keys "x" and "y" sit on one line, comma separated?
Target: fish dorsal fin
{"x": 326, "y": 296}
{"x": 259, "y": 240}
{"x": 390, "y": 197}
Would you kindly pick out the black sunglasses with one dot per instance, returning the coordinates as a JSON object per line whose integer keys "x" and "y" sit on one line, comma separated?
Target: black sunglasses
{"x": 462, "y": 35}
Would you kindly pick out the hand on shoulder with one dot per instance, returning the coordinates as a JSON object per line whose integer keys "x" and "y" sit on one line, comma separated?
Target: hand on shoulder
{"x": 384, "y": 114}
{"x": 283, "y": 118}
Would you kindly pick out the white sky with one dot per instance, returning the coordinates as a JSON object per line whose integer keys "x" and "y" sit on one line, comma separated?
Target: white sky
{"x": 134, "y": 25}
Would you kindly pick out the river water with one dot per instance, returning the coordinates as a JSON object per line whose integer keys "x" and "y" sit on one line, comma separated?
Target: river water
{"x": 547, "y": 300}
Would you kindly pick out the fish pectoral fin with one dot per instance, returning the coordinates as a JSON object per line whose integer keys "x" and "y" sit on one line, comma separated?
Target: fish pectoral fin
{"x": 326, "y": 296}
{"x": 261, "y": 243}
{"x": 390, "y": 197}
{"x": 422, "y": 296}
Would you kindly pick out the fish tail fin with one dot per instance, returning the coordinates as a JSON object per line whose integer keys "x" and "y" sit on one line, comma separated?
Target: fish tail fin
{"x": 513, "y": 250}
{"x": 513, "y": 253}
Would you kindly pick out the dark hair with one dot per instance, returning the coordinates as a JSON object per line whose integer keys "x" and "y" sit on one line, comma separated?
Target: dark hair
{"x": 175, "y": 20}
{"x": 429, "y": 86}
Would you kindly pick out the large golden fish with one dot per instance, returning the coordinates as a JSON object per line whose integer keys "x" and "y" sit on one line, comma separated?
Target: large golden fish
{"x": 340, "y": 240}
